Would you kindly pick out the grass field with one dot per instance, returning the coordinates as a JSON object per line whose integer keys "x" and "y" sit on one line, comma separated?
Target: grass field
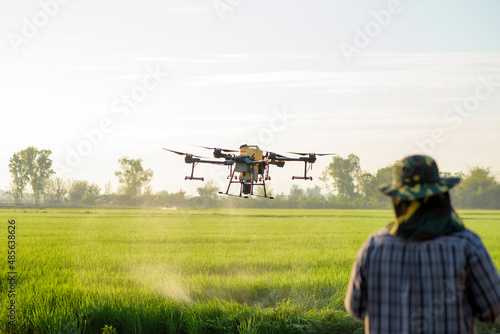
{"x": 207, "y": 271}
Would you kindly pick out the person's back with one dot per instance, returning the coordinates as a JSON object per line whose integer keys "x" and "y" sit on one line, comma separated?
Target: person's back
{"x": 422, "y": 287}
{"x": 426, "y": 273}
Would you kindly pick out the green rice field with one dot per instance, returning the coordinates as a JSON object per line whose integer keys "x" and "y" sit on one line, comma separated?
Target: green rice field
{"x": 189, "y": 271}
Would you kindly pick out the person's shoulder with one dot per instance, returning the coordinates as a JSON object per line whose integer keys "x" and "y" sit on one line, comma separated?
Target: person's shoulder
{"x": 465, "y": 235}
{"x": 466, "y": 238}
{"x": 472, "y": 240}
{"x": 382, "y": 233}
{"x": 380, "y": 236}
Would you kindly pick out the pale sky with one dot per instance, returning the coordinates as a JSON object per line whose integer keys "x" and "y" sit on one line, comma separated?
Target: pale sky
{"x": 94, "y": 81}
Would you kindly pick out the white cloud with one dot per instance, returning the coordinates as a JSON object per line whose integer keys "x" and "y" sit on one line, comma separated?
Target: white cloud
{"x": 377, "y": 72}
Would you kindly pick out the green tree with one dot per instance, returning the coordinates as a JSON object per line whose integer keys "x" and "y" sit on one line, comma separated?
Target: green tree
{"x": 384, "y": 175}
{"x": 259, "y": 190}
{"x": 165, "y": 199}
{"x": 344, "y": 173}
{"x": 313, "y": 192}
{"x": 56, "y": 189}
{"x": 77, "y": 190}
{"x": 207, "y": 195}
{"x": 471, "y": 192}
{"x": 83, "y": 192}
{"x": 367, "y": 186}
{"x": 492, "y": 197}
{"x": 133, "y": 177}
{"x": 108, "y": 188}
{"x": 208, "y": 191}
{"x": 32, "y": 166}
{"x": 89, "y": 199}
{"x": 478, "y": 177}
{"x": 19, "y": 177}
{"x": 178, "y": 197}
{"x": 296, "y": 193}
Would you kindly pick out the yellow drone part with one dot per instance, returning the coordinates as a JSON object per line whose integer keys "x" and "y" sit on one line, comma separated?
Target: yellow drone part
{"x": 252, "y": 150}
{"x": 247, "y": 170}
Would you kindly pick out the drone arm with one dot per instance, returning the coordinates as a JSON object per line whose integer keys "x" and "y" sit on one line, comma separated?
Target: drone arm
{"x": 195, "y": 162}
{"x": 212, "y": 162}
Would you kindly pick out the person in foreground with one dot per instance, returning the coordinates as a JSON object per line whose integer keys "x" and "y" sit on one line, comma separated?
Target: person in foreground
{"x": 425, "y": 273}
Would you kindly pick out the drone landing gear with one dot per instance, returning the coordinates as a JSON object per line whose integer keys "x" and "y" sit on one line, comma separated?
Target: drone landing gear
{"x": 232, "y": 195}
{"x": 192, "y": 177}
{"x": 307, "y": 168}
{"x": 269, "y": 197}
{"x": 246, "y": 187}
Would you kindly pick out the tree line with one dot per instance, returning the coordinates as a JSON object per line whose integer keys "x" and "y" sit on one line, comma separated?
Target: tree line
{"x": 478, "y": 188}
{"x": 347, "y": 187}
{"x": 33, "y": 167}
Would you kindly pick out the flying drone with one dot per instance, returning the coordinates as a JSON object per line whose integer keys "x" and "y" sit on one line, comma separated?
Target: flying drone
{"x": 251, "y": 163}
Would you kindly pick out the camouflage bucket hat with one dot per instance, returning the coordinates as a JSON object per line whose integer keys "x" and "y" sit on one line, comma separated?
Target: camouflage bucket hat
{"x": 415, "y": 177}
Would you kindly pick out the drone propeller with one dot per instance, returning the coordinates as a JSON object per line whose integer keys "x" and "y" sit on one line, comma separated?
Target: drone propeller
{"x": 318, "y": 154}
{"x": 281, "y": 156}
{"x": 222, "y": 149}
{"x": 182, "y": 153}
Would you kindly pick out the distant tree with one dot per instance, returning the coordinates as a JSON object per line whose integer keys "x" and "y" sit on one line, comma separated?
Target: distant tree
{"x": 32, "y": 166}
{"x": 367, "y": 186}
{"x": 19, "y": 177}
{"x": 147, "y": 198}
{"x": 56, "y": 189}
{"x": 344, "y": 173}
{"x": 89, "y": 199}
{"x": 384, "y": 175}
{"x": 6, "y": 195}
{"x": 492, "y": 197}
{"x": 296, "y": 193}
{"x": 108, "y": 188}
{"x": 164, "y": 199}
{"x": 208, "y": 191}
{"x": 207, "y": 195}
{"x": 77, "y": 190}
{"x": 178, "y": 197}
{"x": 472, "y": 191}
{"x": 478, "y": 177}
{"x": 94, "y": 189}
{"x": 260, "y": 191}
{"x": 313, "y": 192}
{"x": 80, "y": 190}
{"x": 132, "y": 177}
{"x": 148, "y": 190}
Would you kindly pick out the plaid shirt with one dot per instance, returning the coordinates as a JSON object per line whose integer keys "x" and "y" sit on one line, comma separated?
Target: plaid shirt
{"x": 436, "y": 286}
